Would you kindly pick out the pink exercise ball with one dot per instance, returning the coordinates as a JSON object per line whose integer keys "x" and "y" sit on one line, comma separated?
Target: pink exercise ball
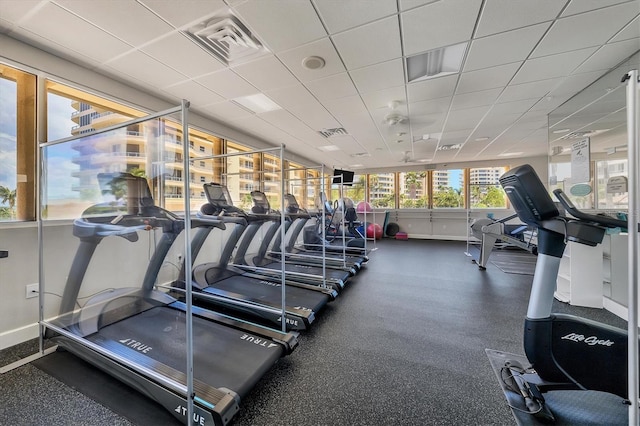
{"x": 374, "y": 231}
{"x": 363, "y": 207}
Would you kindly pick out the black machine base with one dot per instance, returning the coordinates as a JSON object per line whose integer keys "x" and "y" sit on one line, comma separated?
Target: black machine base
{"x": 556, "y": 406}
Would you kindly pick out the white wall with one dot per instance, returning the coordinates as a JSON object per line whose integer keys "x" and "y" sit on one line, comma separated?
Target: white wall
{"x": 116, "y": 263}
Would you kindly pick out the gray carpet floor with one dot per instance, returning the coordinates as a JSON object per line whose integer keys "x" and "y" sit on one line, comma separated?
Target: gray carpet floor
{"x": 404, "y": 344}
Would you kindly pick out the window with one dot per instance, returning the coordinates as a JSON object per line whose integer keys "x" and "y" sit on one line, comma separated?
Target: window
{"x": 17, "y": 144}
{"x": 382, "y": 190}
{"x": 611, "y": 175}
{"x": 448, "y": 188}
{"x": 201, "y": 148}
{"x": 413, "y": 190}
{"x": 355, "y": 191}
{"x": 485, "y": 189}
{"x": 239, "y": 174}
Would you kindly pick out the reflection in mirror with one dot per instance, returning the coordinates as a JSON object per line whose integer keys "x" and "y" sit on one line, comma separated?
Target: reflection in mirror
{"x": 596, "y": 116}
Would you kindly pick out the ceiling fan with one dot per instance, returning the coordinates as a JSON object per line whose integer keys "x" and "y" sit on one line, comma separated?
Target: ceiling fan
{"x": 407, "y": 157}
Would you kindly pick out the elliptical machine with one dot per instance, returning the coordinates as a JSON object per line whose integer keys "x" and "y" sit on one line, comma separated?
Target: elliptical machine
{"x": 567, "y": 352}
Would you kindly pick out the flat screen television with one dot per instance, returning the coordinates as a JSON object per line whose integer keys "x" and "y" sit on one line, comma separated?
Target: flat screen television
{"x": 347, "y": 177}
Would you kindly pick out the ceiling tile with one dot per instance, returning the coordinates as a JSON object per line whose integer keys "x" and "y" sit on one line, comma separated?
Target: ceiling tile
{"x": 14, "y": 11}
{"x": 475, "y": 99}
{"x": 514, "y": 107}
{"x": 291, "y": 97}
{"x": 504, "y": 48}
{"x": 346, "y": 107}
{"x": 178, "y": 14}
{"x": 432, "y": 89}
{"x": 465, "y": 118}
{"x": 438, "y": 24}
{"x": 282, "y": 25}
{"x": 602, "y": 24}
{"x": 194, "y": 92}
{"x": 580, "y": 6}
{"x": 534, "y": 89}
{"x": 52, "y": 21}
{"x": 379, "y": 76}
{"x": 433, "y": 106}
{"x": 342, "y": 15}
{"x": 488, "y": 78}
{"x": 147, "y": 69}
{"x": 612, "y": 53}
{"x": 505, "y": 15}
{"x": 410, "y": 4}
{"x": 227, "y": 84}
{"x": 333, "y": 87}
{"x": 630, "y": 31}
{"x": 323, "y": 48}
{"x": 381, "y": 98}
{"x": 266, "y": 73}
{"x": 559, "y": 65}
{"x": 183, "y": 55}
{"x": 315, "y": 116}
{"x": 120, "y": 19}
{"x": 369, "y": 44}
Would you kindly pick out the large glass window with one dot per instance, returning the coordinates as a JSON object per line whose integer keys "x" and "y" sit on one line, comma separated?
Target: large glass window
{"x": 484, "y": 188}
{"x": 413, "y": 190}
{"x": 355, "y": 191}
{"x": 382, "y": 191}
{"x": 17, "y": 144}
{"x": 448, "y": 188}
{"x": 242, "y": 174}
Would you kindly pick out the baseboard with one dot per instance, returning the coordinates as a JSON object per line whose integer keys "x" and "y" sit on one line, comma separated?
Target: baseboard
{"x": 437, "y": 237}
{"x": 18, "y": 335}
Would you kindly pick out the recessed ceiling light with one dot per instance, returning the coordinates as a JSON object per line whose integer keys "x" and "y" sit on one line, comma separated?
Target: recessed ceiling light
{"x": 313, "y": 62}
{"x": 561, "y": 131}
{"x": 424, "y": 160}
{"x": 482, "y": 139}
{"x": 329, "y": 148}
{"x": 257, "y": 103}
{"x": 355, "y": 166}
{"x": 510, "y": 154}
{"x": 435, "y": 63}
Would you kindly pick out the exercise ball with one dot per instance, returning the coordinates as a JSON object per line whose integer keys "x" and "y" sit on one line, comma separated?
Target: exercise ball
{"x": 374, "y": 231}
{"x": 364, "y": 207}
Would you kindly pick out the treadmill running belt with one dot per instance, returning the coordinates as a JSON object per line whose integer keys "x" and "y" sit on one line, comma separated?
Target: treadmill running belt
{"x": 269, "y": 292}
{"x": 222, "y": 356}
{"x": 314, "y": 270}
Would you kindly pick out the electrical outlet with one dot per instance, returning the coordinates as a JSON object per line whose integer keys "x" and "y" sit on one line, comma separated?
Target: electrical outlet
{"x": 31, "y": 290}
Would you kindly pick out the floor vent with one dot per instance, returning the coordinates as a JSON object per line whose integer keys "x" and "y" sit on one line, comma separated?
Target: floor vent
{"x": 226, "y": 38}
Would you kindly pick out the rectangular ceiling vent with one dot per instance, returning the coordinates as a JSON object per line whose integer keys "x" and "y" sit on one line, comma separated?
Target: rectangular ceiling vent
{"x": 435, "y": 63}
{"x": 226, "y": 38}
{"x": 327, "y": 133}
{"x": 451, "y": 147}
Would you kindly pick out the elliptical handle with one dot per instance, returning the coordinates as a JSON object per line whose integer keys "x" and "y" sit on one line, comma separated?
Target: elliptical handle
{"x": 606, "y": 221}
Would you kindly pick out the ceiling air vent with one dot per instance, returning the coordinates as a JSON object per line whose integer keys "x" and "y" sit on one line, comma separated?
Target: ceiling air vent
{"x": 451, "y": 147}
{"x": 226, "y": 38}
{"x": 327, "y": 133}
{"x": 583, "y": 134}
{"x": 361, "y": 154}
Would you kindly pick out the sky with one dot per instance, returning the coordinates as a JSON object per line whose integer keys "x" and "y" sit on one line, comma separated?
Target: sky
{"x": 8, "y": 122}
{"x": 59, "y": 123}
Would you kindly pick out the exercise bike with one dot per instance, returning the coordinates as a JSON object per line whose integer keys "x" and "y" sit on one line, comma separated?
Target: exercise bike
{"x": 566, "y": 352}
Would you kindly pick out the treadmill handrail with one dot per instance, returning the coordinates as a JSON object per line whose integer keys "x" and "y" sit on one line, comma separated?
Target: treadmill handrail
{"x": 605, "y": 221}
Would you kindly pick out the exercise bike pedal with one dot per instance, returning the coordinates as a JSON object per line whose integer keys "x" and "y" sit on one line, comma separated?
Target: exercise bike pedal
{"x": 532, "y": 398}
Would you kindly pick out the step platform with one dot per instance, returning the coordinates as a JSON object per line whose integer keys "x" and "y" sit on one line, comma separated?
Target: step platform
{"x": 569, "y": 407}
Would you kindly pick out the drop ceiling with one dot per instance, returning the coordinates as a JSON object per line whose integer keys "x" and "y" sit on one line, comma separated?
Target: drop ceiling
{"x": 522, "y": 60}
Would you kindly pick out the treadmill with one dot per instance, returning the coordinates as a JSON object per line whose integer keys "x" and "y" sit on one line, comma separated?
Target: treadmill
{"x": 338, "y": 259}
{"x": 138, "y": 335}
{"x": 266, "y": 265}
{"x": 220, "y": 285}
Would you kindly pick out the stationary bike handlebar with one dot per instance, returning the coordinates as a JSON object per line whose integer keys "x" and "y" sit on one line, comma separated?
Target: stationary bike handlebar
{"x": 601, "y": 220}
